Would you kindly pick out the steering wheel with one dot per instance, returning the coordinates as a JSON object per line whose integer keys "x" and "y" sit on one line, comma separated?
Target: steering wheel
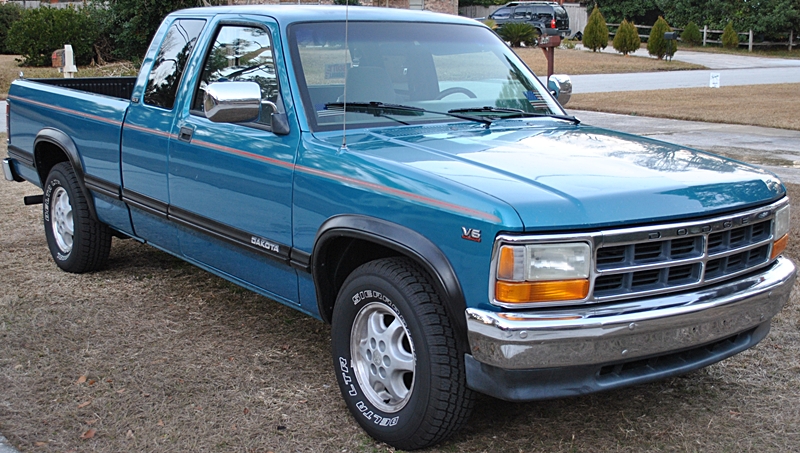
{"x": 455, "y": 90}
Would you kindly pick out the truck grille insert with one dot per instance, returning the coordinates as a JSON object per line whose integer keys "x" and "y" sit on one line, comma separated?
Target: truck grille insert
{"x": 633, "y": 265}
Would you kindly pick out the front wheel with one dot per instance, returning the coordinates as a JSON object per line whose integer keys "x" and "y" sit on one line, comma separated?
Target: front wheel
{"x": 395, "y": 356}
{"x": 77, "y": 242}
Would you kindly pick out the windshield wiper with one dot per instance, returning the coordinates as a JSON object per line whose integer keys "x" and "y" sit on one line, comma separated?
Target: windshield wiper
{"x": 515, "y": 113}
{"x": 382, "y": 108}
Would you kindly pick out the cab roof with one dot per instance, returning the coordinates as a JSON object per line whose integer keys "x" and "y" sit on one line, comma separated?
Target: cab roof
{"x": 287, "y": 14}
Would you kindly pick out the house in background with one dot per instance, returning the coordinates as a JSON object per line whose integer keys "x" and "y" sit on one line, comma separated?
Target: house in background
{"x": 441, "y": 6}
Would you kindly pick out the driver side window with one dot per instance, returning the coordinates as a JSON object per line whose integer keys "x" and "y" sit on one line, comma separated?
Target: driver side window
{"x": 241, "y": 53}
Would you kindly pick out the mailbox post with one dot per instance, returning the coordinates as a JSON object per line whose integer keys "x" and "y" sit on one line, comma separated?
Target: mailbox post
{"x": 672, "y": 43}
{"x": 548, "y": 43}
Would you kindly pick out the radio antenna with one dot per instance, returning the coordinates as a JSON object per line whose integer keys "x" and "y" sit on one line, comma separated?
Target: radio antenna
{"x": 344, "y": 95}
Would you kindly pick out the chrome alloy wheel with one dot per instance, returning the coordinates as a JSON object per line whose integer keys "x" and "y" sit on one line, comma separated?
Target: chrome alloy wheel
{"x": 383, "y": 356}
{"x": 61, "y": 219}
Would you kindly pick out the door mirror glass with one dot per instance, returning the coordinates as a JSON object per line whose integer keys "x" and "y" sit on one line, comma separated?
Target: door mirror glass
{"x": 232, "y": 102}
{"x": 561, "y": 87}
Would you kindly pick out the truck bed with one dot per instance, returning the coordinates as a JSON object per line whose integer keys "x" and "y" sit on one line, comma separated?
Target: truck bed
{"x": 118, "y": 87}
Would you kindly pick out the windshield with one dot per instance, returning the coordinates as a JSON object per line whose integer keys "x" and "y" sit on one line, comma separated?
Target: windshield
{"x": 433, "y": 67}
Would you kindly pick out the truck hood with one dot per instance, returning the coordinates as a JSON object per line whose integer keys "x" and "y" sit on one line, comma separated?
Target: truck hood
{"x": 577, "y": 176}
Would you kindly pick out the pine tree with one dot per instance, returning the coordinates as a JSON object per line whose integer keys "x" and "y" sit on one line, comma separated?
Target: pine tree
{"x": 691, "y": 34}
{"x": 730, "y": 39}
{"x": 657, "y": 46}
{"x": 595, "y": 34}
{"x": 627, "y": 38}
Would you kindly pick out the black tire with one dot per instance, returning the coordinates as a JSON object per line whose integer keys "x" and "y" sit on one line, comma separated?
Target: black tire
{"x": 393, "y": 299}
{"x": 77, "y": 242}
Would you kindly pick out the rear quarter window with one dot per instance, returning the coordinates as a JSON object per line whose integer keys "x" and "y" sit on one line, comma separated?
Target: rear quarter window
{"x": 170, "y": 62}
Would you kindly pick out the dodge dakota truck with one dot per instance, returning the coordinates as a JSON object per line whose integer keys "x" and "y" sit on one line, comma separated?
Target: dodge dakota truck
{"x": 405, "y": 177}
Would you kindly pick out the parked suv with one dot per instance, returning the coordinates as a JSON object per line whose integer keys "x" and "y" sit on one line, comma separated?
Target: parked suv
{"x": 541, "y": 15}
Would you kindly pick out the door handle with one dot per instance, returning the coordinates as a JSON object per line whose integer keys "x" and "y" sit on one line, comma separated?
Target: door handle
{"x": 186, "y": 134}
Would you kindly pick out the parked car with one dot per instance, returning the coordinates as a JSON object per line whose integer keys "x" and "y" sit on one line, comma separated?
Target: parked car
{"x": 405, "y": 177}
{"x": 541, "y": 15}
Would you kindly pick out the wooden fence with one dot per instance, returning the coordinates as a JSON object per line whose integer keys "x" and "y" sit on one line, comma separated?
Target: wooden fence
{"x": 707, "y": 32}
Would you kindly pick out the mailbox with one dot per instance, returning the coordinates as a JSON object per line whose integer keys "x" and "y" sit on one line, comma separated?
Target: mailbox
{"x": 549, "y": 41}
{"x": 58, "y": 58}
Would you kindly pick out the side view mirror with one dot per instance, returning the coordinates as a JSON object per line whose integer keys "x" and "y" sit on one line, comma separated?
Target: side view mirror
{"x": 561, "y": 87}
{"x": 232, "y": 102}
{"x": 238, "y": 102}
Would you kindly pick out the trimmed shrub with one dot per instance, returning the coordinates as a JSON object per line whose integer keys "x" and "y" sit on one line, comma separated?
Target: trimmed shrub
{"x": 518, "y": 32}
{"x": 657, "y": 46}
{"x": 627, "y": 38}
{"x": 9, "y": 14}
{"x": 42, "y": 30}
{"x": 595, "y": 34}
{"x": 730, "y": 39}
{"x": 691, "y": 34}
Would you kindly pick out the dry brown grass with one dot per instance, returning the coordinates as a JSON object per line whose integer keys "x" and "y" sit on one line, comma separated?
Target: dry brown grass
{"x": 574, "y": 62}
{"x": 178, "y": 360}
{"x": 758, "y": 105}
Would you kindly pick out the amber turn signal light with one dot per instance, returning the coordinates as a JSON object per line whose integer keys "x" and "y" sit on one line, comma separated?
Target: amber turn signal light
{"x": 779, "y": 246}
{"x": 548, "y": 291}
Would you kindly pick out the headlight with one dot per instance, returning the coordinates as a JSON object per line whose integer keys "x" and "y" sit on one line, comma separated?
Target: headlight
{"x": 543, "y": 272}
{"x": 780, "y": 231}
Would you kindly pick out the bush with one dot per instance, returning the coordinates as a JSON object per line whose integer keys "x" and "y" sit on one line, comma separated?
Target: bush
{"x": 730, "y": 39}
{"x": 656, "y": 44}
{"x": 42, "y": 30}
{"x": 518, "y": 32}
{"x": 627, "y": 38}
{"x": 595, "y": 34}
{"x": 135, "y": 22}
{"x": 9, "y": 13}
{"x": 691, "y": 34}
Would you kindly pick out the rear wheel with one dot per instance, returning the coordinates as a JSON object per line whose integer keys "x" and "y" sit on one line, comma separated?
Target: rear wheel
{"x": 395, "y": 356}
{"x": 77, "y": 242}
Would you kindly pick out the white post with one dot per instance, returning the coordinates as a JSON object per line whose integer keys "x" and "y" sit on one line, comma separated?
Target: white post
{"x": 705, "y": 34}
{"x": 750, "y": 45}
{"x": 69, "y": 62}
{"x": 791, "y": 38}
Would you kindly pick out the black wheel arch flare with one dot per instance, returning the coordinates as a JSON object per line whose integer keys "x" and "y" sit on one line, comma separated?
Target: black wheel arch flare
{"x": 338, "y": 232}
{"x": 64, "y": 143}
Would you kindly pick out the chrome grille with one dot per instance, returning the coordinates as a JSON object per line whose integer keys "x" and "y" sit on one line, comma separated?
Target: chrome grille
{"x": 698, "y": 254}
{"x": 664, "y": 258}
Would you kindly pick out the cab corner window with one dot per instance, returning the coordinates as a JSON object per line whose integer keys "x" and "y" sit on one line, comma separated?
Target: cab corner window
{"x": 170, "y": 62}
{"x": 241, "y": 54}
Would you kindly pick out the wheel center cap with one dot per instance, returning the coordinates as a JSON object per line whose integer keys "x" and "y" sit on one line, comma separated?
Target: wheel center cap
{"x": 376, "y": 358}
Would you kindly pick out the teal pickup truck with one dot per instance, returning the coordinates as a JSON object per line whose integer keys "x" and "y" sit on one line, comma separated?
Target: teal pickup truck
{"x": 405, "y": 177}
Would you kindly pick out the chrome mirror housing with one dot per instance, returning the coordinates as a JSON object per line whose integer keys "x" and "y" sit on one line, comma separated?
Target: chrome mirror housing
{"x": 561, "y": 87}
{"x": 232, "y": 102}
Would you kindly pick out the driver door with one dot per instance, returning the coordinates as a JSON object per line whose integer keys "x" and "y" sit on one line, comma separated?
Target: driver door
{"x": 231, "y": 183}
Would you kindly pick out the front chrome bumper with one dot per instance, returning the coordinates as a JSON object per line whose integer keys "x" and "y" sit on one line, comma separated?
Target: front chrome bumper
{"x": 581, "y": 336}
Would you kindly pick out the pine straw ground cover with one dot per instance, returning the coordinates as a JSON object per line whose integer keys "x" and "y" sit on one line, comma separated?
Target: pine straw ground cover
{"x": 154, "y": 355}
